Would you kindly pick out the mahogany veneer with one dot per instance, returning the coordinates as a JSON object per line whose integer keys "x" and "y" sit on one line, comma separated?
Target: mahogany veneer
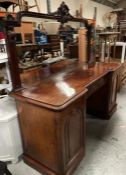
{"x": 52, "y": 101}
{"x": 52, "y": 110}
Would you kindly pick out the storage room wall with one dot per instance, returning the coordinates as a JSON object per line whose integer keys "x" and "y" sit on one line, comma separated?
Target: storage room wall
{"x": 54, "y": 5}
{"x": 88, "y": 8}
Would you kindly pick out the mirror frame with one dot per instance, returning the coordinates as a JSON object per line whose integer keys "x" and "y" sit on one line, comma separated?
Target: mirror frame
{"x": 10, "y": 22}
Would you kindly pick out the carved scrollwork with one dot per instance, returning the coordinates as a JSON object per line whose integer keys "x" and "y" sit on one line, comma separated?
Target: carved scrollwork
{"x": 63, "y": 13}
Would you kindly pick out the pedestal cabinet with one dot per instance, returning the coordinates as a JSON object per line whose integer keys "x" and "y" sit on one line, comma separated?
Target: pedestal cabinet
{"x": 53, "y": 141}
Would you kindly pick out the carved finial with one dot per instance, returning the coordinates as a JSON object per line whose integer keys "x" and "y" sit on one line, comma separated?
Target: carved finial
{"x": 63, "y": 9}
{"x": 63, "y": 13}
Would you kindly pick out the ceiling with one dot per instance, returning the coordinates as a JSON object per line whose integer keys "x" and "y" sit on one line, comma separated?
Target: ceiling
{"x": 113, "y": 3}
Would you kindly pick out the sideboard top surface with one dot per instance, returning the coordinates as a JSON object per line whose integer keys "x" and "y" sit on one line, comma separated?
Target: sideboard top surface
{"x": 58, "y": 85}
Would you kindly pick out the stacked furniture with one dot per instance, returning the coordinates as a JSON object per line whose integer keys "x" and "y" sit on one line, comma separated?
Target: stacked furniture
{"x": 27, "y": 32}
{"x": 123, "y": 74}
{"x": 54, "y": 40}
{"x": 10, "y": 139}
{"x": 120, "y": 56}
{"x": 4, "y": 62}
{"x": 120, "y": 53}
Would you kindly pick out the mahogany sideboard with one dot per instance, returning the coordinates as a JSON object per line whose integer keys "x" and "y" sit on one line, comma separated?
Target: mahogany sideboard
{"x": 52, "y": 101}
{"x": 52, "y": 107}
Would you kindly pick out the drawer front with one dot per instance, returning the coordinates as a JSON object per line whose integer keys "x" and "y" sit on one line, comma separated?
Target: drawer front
{"x": 95, "y": 86}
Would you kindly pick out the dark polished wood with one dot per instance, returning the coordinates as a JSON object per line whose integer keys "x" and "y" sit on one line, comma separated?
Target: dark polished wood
{"x": 10, "y": 22}
{"x": 29, "y": 47}
{"x": 53, "y": 140}
{"x": 67, "y": 85}
{"x": 103, "y": 102}
{"x": 73, "y": 50}
{"x": 52, "y": 107}
{"x": 52, "y": 102}
{"x": 12, "y": 59}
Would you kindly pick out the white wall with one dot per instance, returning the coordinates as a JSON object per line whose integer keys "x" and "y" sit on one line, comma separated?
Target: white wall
{"x": 54, "y": 5}
{"x": 88, "y": 8}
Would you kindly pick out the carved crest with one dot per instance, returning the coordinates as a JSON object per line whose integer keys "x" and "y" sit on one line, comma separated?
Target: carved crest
{"x": 63, "y": 13}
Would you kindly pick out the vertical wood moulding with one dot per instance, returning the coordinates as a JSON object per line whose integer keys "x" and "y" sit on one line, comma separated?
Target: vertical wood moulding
{"x": 82, "y": 45}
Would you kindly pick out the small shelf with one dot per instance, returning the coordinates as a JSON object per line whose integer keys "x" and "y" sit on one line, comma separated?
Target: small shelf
{"x": 3, "y": 60}
{"x": 4, "y": 14}
{"x": 27, "y": 32}
{"x": 3, "y": 57}
{"x": 5, "y": 86}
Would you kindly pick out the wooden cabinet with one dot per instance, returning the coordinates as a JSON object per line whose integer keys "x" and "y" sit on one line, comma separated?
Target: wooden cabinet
{"x": 54, "y": 40}
{"x": 53, "y": 140}
{"x": 51, "y": 104}
{"x": 27, "y": 32}
{"x": 102, "y": 102}
{"x": 52, "y": 111}
{"x": 123, "y": 74}
{"x": 3, "y": 14}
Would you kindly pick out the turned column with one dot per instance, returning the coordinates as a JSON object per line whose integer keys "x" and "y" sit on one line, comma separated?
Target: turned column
{"x": 82, "y": 45}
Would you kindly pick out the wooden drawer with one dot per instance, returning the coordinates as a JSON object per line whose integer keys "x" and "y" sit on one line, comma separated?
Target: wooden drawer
{"x": 53, "y": 37}
{"x": 95, "y": 86}
{"x": 55, "y": 44}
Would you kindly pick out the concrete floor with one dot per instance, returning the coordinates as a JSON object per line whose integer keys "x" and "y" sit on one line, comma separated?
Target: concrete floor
{"x": 105, "y": 146}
